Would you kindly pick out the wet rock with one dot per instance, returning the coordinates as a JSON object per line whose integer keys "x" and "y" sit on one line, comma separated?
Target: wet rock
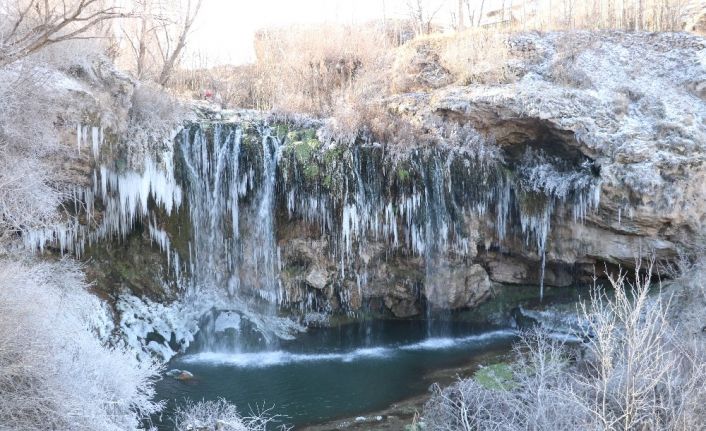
{"x": 457, "y": 286}
{"x": 184, "y": 375}
{"x": 352, "y": 296}
{"x": 178, "y": 374}
{"x": 317, "y": 278}
{"x": 227, "y": 320}
{"x": 510, "y": 269}
{"x": 402, "y": 300}
{"x": 402, "y": 308}
{"x": 173, "y": 373}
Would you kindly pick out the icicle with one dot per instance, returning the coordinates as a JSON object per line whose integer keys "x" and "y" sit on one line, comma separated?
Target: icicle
{"x": 78, "y": 138}
{"x": 95, "y": 142}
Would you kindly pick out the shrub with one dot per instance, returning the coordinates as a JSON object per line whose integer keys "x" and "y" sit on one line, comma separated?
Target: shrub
{"x": 57, "y": 370}
{"x": 30, "y": 191}
{"x": 220, "y": 415}
{"x": 634, "y": 372}
{"x": 154, "y": 118}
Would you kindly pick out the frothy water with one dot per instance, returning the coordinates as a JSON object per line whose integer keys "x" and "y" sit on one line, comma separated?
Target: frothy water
{"x": 281, "y": 357}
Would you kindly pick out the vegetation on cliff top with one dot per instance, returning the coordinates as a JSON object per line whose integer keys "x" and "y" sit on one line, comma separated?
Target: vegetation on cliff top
{"x": 349, "y": 73}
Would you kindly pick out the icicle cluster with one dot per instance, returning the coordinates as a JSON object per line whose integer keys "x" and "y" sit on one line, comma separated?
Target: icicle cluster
{"x": 235, "y": 182}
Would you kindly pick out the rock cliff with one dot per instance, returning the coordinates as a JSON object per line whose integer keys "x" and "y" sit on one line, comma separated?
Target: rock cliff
{"x": 588, "y": 153}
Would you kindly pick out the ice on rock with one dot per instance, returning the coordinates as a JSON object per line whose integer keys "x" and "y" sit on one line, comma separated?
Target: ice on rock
{"x": 124, "y": 197}
{"x": 233, "y": 255}
{"x": 140, "y": 318}
{"x": 227, "y": 320}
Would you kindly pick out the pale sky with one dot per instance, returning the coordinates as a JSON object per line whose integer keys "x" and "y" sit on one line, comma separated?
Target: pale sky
{"x": 224, "y": 29}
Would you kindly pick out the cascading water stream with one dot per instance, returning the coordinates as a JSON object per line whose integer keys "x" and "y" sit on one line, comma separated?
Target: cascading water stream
{"x": 266, "y": 256}
{"x": 436, "y": 232}
{"x": 234, "y": 252}
{"x": 213, "y": 207}
{"x": 210, "y": 195}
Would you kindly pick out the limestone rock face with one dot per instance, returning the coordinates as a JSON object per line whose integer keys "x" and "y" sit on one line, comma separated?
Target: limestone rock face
{"x": 639, "y": 123}
{"x": 394, "y": 227}
{"x": 458, "y": 286}
{"x": 642, "y": 122}
{"x": 317, "y": 278}
{"x": 513, "y": 269}
{"x": 401, "y": 303}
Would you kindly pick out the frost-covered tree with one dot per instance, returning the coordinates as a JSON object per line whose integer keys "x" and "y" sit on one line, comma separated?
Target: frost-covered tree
{"x": 220, "y": 415}
{"x": 29, "y": 196}
{"x": 157, "y": 35}
{"x": 56, "y": 369}
{"x": 27, "y": 26}
{"x": 635, "y": 371}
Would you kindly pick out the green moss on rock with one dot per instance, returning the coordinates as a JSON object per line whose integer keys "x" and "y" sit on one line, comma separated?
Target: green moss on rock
{"x": 403, "y": 174}
{"x": 304, "y": 150}
{"x": 311, "y": 172}
{"x": 496, "y": 376}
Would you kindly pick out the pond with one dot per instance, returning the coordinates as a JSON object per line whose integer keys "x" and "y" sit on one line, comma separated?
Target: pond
{"x": 356, "y": 368}
{"x": 328, "y": 373}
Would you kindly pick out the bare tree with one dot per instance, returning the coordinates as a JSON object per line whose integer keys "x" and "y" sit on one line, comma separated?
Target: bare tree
{"x": 157, "y": 36}
{"x": 136, "y": 32}
{"x": 461, "y": 24}
{"x": 479, "y": 9}
{"x": 422, "y": 14}
{"x": 26, "y": 26}
{"x": 171, "y": 44}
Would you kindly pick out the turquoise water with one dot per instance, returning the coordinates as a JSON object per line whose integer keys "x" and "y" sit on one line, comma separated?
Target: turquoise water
{"x": 337, "y": 372}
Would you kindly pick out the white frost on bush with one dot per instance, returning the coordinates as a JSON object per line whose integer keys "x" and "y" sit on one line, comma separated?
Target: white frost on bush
{"x": 220, "y": 415}
{"x": 634, "y": 370}
{"x": 57, "y": 370}
{"x": 154, "y": 119}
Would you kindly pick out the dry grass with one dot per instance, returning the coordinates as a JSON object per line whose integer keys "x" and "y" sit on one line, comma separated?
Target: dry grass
{"x": 474, "y": 56}
{"x": 297, "y": 69}
{"x": 347, "y": 72}
{"x": 316, "y": 64}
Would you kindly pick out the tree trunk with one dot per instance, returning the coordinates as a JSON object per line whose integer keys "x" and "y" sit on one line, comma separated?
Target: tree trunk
{"x": 142, "y": 49}
{"x": 480, "y": 12}
{"x": 460, "y": 16}
{"x": 172, "y": 59}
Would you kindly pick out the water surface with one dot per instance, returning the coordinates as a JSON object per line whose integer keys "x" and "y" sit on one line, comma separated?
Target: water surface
{"x": 330, "y": 373}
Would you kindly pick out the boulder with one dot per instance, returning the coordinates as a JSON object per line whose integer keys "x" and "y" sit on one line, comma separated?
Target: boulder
{"x": 454, "y": 287}
{"x": 184, "y": 375}
{"x": 317, "y": 278}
